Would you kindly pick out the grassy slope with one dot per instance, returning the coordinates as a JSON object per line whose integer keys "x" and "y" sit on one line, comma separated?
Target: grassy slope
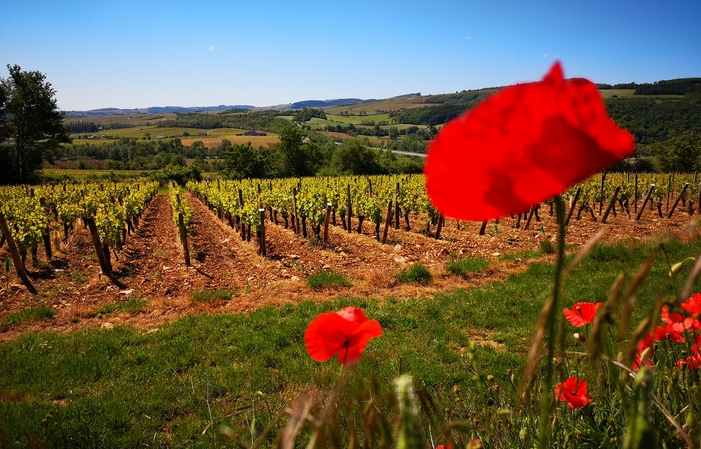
{"x": 127, "y": 387}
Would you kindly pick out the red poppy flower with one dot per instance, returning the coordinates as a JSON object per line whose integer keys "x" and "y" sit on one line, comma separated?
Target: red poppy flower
{"x": 444, "y": 446}
{"x": 689, "y": 320}
{"x": 344, "y": 333}
{"x": 694, "y": 361}
{"x": 574, "y": 392}
{"x": 645, "y": 343}
{"x": 522, "y": 146}
{"x": 581, "y": 313}
{"x": 668, "y": 333}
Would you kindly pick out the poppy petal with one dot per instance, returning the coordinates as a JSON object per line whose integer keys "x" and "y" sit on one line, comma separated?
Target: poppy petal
{"x": 327, "y": 335}
{"x": 353, "y": 314}
{"x": 362, "y": 335}
{"x": 521, "y": 146}
{"x": 581, "y": 313}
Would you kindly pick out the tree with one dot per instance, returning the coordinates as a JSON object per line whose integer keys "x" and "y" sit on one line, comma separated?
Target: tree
{"x": 31, "y": 126}
{"x": 243, "y": 161}
{"x": 681, "y": 153}
{"x": 353, "y": 157}
{"x": 293, "y": 155}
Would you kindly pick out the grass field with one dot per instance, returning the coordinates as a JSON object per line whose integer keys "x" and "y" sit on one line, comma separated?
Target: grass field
{"x": 190, "y": 382}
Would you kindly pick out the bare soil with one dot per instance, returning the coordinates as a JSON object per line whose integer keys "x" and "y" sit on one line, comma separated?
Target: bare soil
{"x": 152, "y": 267}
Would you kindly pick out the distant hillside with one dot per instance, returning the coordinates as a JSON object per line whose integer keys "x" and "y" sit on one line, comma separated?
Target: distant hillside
{"x": 154, "y": 110}
{"x": 324, "y": 103}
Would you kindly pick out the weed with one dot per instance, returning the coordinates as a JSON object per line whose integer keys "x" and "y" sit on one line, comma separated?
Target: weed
{"x": 39, "y": 313}
{"x": 162, "y": 254}
{"x": 464, "y": 266}
{"x": 134, "y": 305}
{"x": 207, "y": 296}
{"x": 324, "y": 279}
{"x": 547, "y": 247}
{"x": 78, "y": 276}
{"x": 417, "y": 274}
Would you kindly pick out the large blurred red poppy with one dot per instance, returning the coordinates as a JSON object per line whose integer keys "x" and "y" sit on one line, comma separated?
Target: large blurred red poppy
{"x": 521, "y": 146}
{"x": 581, "y": 313}
{"x": 573, "y": 391}
{"x": 344, "y": 333}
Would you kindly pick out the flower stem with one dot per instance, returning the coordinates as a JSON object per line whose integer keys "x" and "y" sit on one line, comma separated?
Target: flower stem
{"x": 546, "y": 394}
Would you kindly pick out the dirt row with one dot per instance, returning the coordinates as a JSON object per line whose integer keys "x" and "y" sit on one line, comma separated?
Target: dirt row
{"x": 159, "y": 287}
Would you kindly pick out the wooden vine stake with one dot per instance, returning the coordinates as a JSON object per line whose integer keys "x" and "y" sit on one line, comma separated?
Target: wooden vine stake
{"x": 635, "y": 194}
{"x": 262, "y": 231}
{"x": 601, "y": 197}
{"x": 676, "y": 202}
{"x": 387, "y": 221}
{"x": 243, "y": 225}
{"x": 349, "y": 207}
{"x": 699, "y": 203}
{"x": 16, "y": 259}
{"x": 295, "y": 218}
{"x": 329, "y": 206}
{"x": 441, "y": 222}
{"x": 183, "y": 239}
{"x": 530, "y": 217}
{"x": 573, "y": 206}
{"x": 397, "y": 209}
{"x": 483, "y": 228}
{"x": 647, "y": 198}
{"x": 669, "y": 191}
{"x": 101, "y": 258}
{"x": 612, "y": 203}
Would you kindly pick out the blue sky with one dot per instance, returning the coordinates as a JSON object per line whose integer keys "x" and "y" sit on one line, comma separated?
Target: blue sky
{"x": 130, "y": 54}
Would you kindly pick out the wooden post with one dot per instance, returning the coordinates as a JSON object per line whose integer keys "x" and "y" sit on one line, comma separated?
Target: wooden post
{"x": 397, "y": 208}
{"x": 262, "y": 231}
{"x": 243, "y": 225}
{"x": 104, "y": 265}
{"x": 601, "y": 197}
{"x": 387, "y": 220}
{"x": 295, "y": 217}
{"x": 16, "y": 259}
{"x": 635, "y": 194}
{"x": 573, "y": 206}
{"x": 183, "y": 239}
{"x": 676, "y": 202}
{"x": 441, "y": 222}
{"x": 530, "y": 216}
{"x": 329, "y": 206}
{"x": 349, "y": 207}
{"x": 647, "y": 198}
{"x": 699, "y": 203}
{"x": 614, "y": 197}
{"x": 669, "y": 191}
{"x": 483, "y": 228}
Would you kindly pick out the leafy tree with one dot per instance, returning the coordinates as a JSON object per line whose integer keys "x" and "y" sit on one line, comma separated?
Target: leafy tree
{"x": 31, "y": 121}
{"x": 243, "y": 161}
{"x": 293, "y": 155}
{"x": 353, "y": 157}
{"x": 681, "y": 153}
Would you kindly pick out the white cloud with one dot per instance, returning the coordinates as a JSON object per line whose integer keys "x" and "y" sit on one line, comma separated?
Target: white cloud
{"x": 211, "y": 47}
{"x": 545, "y": 55}
{"x": 468, "y": 37}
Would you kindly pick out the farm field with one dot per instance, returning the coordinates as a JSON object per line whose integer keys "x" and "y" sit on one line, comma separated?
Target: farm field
{"x": 189, "y": 346}
{"x": 151, "y": 263}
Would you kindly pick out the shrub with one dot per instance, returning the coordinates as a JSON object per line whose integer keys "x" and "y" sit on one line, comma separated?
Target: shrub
{"x": 416, "y": 274}
{"x": 205, "y": 296}
{"x": 464, "y": 266}
{"x": 324, "y": 279}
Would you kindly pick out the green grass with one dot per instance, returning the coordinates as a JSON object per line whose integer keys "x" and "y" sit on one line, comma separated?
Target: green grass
{"x": 177, "y": 386}
{"x": 327, "y": 279}
{"x": 416, "y": 274}
{"x": 38, "y": 313}
{"x": 132, "y": 305}
{"x": 207, "y": 296}
{"x": 463, "y": 267}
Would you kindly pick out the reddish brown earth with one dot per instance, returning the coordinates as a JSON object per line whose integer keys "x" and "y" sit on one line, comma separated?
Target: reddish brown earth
{"x": 151, "y": 265}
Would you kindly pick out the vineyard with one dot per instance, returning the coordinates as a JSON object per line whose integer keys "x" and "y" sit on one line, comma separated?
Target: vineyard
{"x": 102, "y": 254}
